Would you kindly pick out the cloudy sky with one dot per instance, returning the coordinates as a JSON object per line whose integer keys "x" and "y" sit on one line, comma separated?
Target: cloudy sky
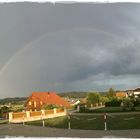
{"x": 68, "y": 47}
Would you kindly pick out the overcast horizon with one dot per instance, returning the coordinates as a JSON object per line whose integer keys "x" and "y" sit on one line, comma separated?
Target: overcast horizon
{"x": 68, "y": 47}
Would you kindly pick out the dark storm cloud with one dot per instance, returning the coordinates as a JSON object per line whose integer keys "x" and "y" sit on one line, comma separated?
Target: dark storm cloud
{"x": 68, "y": 47}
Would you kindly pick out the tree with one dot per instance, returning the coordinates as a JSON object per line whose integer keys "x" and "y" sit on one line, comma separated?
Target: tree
{"x": 127, "y": 104}
{"x": 138, "y": 100}
{"x": 113, "y": 102}
{"x": 135, "y": 100}
{"x": 45, "y": 106}
{"x": 111, "y": 93}
{"x": 4, "y": 109}
{"x": 104, "y": 99}
{"x": 93, "y": 98}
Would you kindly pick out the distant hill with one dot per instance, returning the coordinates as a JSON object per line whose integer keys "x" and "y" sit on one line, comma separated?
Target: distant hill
{"x": 76, "y": 94}
{"x": 73, "y": 94}
{"x": 12, "y": 100}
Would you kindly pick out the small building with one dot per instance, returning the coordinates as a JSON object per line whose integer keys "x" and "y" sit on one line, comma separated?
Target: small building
{"x": 130, "y": 93}
{"x": 74, "y": 102}
{"x": 121, "y": 94}
{"x": 134, "y": 92}
{"x": 38, "y": 99}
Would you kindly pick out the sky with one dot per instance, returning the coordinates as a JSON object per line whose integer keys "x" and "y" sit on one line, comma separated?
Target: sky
{"x": 68, "y": 47}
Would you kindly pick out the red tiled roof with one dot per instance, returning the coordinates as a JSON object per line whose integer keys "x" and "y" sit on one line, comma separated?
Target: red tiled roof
{"x": 49, "y": 98}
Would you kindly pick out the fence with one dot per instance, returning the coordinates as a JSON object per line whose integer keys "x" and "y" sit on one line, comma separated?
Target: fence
{"x": 49, "y": 111}
{"x": 20, "y": 117}
{"x": 35, "y": 113}
{"x": 104, "y": 121}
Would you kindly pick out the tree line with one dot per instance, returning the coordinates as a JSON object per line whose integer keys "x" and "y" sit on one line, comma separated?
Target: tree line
{"x": 110, "y": 99}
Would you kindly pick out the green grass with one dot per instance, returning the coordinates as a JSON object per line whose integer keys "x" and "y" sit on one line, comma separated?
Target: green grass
{"x": 121, "y": 122}
{"x": 3, "y": 121}
{"x": 88, "y": 122}
{"x": 58, "y": 122}
{"x": 108, "y": 110}
{"x": 62, "y": 122}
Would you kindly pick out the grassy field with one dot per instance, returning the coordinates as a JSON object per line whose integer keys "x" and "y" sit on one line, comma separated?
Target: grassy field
{"x": 108, "y": 110}
{"x": 59, "y": 122}
{"x": 93, "y": 122}
{"x": 3, "y": 121}
{"x": 124, "y": 122}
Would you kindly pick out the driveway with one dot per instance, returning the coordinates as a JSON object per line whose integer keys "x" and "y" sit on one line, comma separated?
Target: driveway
{"x": 37, "y": 131}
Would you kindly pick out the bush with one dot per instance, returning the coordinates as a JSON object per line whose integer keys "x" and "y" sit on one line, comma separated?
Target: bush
{"x": 93, "y": 98}
{"x": 0, "y": 113}
{"x": 83, "y": 109}
{"x": 4, "y": 110}
{"x": 49, "y": 107}
{"x": 136, "y": 101}
{"x": 111, "y": 93}
{"x": 127, "y": 105}
{"x": 104, "y": 99}
{"x": 80, "y": 104}
{"x": 114, "y": 102}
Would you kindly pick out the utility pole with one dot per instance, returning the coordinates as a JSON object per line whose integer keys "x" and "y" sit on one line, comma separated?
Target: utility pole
{"x": 43, "y": 123}
{"x": 105, "y": 125}
{"x": 23, "y": 120}
{"x": 69, "y": 125}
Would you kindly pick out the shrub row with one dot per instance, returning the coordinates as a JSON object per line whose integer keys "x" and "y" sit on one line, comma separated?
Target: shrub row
{"x": 113, "y": 103}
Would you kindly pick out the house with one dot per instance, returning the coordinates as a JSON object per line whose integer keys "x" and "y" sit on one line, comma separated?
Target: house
{"x": 134, "y": 92}
{"x": 129, "y": 93}
{"x": 121, "y": 94}
{"x": 74, "y": 102}
{"x": 137, "y": 92}
{"x": 38, "y": 99}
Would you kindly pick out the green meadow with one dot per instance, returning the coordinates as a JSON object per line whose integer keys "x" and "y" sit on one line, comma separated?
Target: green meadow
{"x": 93, "y": 122}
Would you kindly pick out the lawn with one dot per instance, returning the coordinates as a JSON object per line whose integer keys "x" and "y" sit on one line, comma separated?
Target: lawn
{"x": 107, "y": 109}
{"x": 124, "y": 122}
{"x": 80, "y": 122}
{"x": 93, "y": 122}
{"x": 58, "y": 122}
{"x": 3, "y": 121}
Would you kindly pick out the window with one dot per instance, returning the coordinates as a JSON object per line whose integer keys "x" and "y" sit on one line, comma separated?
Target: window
{"x": 41, "y": 102}
{"x": 30, "y": 103}
{"x": 34, "y": 103}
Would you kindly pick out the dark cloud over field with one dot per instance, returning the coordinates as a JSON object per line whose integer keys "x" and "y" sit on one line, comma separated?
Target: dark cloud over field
{"x": 73, "y": 47}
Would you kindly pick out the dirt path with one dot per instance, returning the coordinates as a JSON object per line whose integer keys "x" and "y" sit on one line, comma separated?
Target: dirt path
{"x": 36, "y": 131}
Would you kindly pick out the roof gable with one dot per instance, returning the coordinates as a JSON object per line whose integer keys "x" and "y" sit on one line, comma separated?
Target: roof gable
{"x": 49, "y": 98}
